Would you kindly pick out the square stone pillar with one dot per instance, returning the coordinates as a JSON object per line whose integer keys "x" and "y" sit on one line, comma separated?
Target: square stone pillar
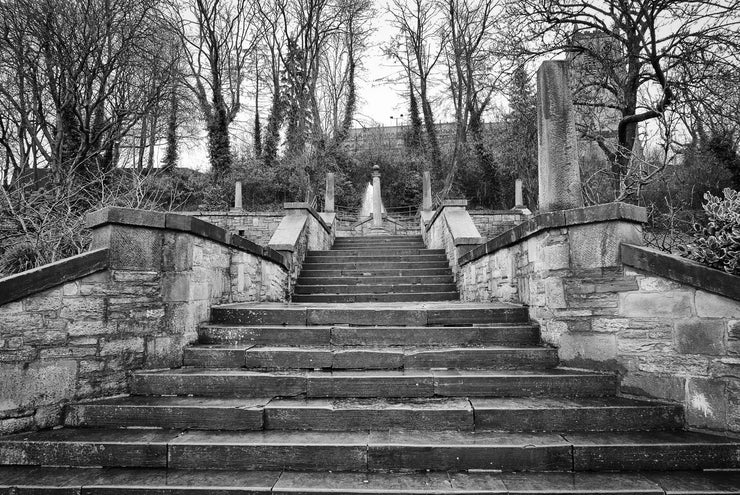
{"x": 377, "y": 201}
{"x": 426, "y": 202}
{"x": 329, "y": 194}
{"x": 559, "y": 173}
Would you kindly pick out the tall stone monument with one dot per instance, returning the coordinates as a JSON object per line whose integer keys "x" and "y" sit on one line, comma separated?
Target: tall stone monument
{"x": 559, "y": 174}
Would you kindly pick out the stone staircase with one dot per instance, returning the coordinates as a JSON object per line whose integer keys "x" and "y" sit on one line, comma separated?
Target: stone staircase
{"x": 401, "y": 396}
{"x": 376, "y": 269}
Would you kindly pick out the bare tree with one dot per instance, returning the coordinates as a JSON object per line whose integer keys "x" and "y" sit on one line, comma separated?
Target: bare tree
{"x": 219, "y": 37}
{"x": 418, "y": 47}
{"x": 647, "y": 41}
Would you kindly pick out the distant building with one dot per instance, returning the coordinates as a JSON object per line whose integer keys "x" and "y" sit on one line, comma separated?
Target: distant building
{"x": 363, "y": 139}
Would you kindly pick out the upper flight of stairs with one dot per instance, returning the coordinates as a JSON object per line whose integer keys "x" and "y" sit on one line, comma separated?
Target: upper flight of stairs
{"x": 374, "y": 398}
{"x": 376, "y": 269}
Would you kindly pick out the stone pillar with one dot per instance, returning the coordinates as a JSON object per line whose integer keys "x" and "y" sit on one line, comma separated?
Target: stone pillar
{"x": 329, "y": 194}
{"x": 238, "y": 195}
{"x": 426, "y": 203}
{"x": 559, "y": 175}
{"x": 518, "y": 194}
{"x": 377, "y": 201}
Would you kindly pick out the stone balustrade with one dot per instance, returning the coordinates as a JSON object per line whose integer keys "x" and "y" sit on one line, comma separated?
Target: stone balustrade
{"x": 74, "y": 329}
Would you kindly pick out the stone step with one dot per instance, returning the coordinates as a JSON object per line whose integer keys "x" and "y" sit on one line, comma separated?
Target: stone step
{"x": 402, "y": 288}
{"x": 380, "y": 257}
{"x": 342, "y": 358}
{"x": 162, "y": 481}
{"x": 462, "y": 414}
{"x": 388, "y": 264}
{"x": 374, "y": 252}
{"x": 370, "y": 314}
{"x": 376, "y": 272}
{"x": 207, "y": 382}
{"x": 374, "y": 451}
{"x": 373, "y": 297}
{"x": 432, "y": 279}
{"x": 370, "y": 336}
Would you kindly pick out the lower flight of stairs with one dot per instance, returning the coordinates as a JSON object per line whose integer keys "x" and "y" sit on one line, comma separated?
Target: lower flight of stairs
{"x": 371, "y": 398}
{"x": 376, "y": 269}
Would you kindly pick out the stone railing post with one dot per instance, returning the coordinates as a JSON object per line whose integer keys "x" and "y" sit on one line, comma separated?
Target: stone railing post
{"x": 329, "y": 194}
{"x": 518, "y": 194}
{"x": 238, "y": 196}
{"x": 559, "y": 174}
{"x": 426, "y": 202}
{"x": 377, "y": 201}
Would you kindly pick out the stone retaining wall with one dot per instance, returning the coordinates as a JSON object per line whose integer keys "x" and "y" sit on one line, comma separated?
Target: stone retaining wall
{"x": 81, "y": 337}
{"x": 493, "y": 223}
{"x": 256, "y": 226}
{"x": 667, "y": 338}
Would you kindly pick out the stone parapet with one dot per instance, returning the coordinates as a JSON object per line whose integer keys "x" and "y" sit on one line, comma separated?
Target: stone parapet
{"x": 75, "y": 329}
{"x": 257, "y": 226}
{"x": 666, "y": 325}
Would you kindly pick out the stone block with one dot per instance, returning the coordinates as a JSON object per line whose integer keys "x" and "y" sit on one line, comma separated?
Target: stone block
{"x": 163, "y": 352}
{"x": 114, "y": 347}
{"x": 733, "y": 337}
{"x": 48, "y": 300}
{"x": 134, "y": 248}
{"x": 18, "y": 323}
{"x": 77, "y": 328}
{"x": 676, "y": 304}
{"x": 713, "y": 306}
{"x": 609, "y": 325}
{"x": 700, "y": 336}
{"x": 71, "y": 289}
{"x": 658, "y": 386}
{"x": 706, "y": 403}
{"x": 555, "y": 293}
{"x": 597, "y": 245}
{"x": 657, "y": 284}
{"x": 587, "y": 347}
{"x": 27, "y": 385}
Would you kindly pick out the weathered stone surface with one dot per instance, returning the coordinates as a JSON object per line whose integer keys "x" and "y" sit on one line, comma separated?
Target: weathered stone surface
{"x": 700, "y": 336}
{"x": 559, "y": 175}
{"x": 676, "y": 304}
{"x": 713, "y": 306}
{"x": 706, "y": 403}
{"x": 587, "y": 347}
{"x": 41, "y": 382}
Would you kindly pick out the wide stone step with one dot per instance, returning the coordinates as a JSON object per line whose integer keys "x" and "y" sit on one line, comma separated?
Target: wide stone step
{"x": 369, "y": 336}
{"x": 371, "y": 251}
{"x": 130, "y": 481}
{"x": 379, "y": 257}
{"x": 371, "y": 358}
{"x": 388, "y": 264}
{"x": 462, "y": 414}
{"x": 373, "y": 451}
{"x": 357, "y": 384}
{"x": 402, "y": 288}
{"x": 376, "y": 272}
{"x": 322, "y": 281}
{"x": 370, "y": 314}
{"x": 374, "y": 297}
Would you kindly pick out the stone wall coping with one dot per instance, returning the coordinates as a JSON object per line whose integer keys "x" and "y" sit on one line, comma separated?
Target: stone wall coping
{"x": 182, "y": 223}
{"x": 288, "y": 233}
{"x": 681, "y": 270}
{"x": 462, "y": 229}
{"x": 51, "y": 275}
{"x": 447, "y": 203}
{"x": 555, "y": 220}
{"x": 512, "y": 212}
{"x": 311, "y": 210}
{"x": 233, "y": 213}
